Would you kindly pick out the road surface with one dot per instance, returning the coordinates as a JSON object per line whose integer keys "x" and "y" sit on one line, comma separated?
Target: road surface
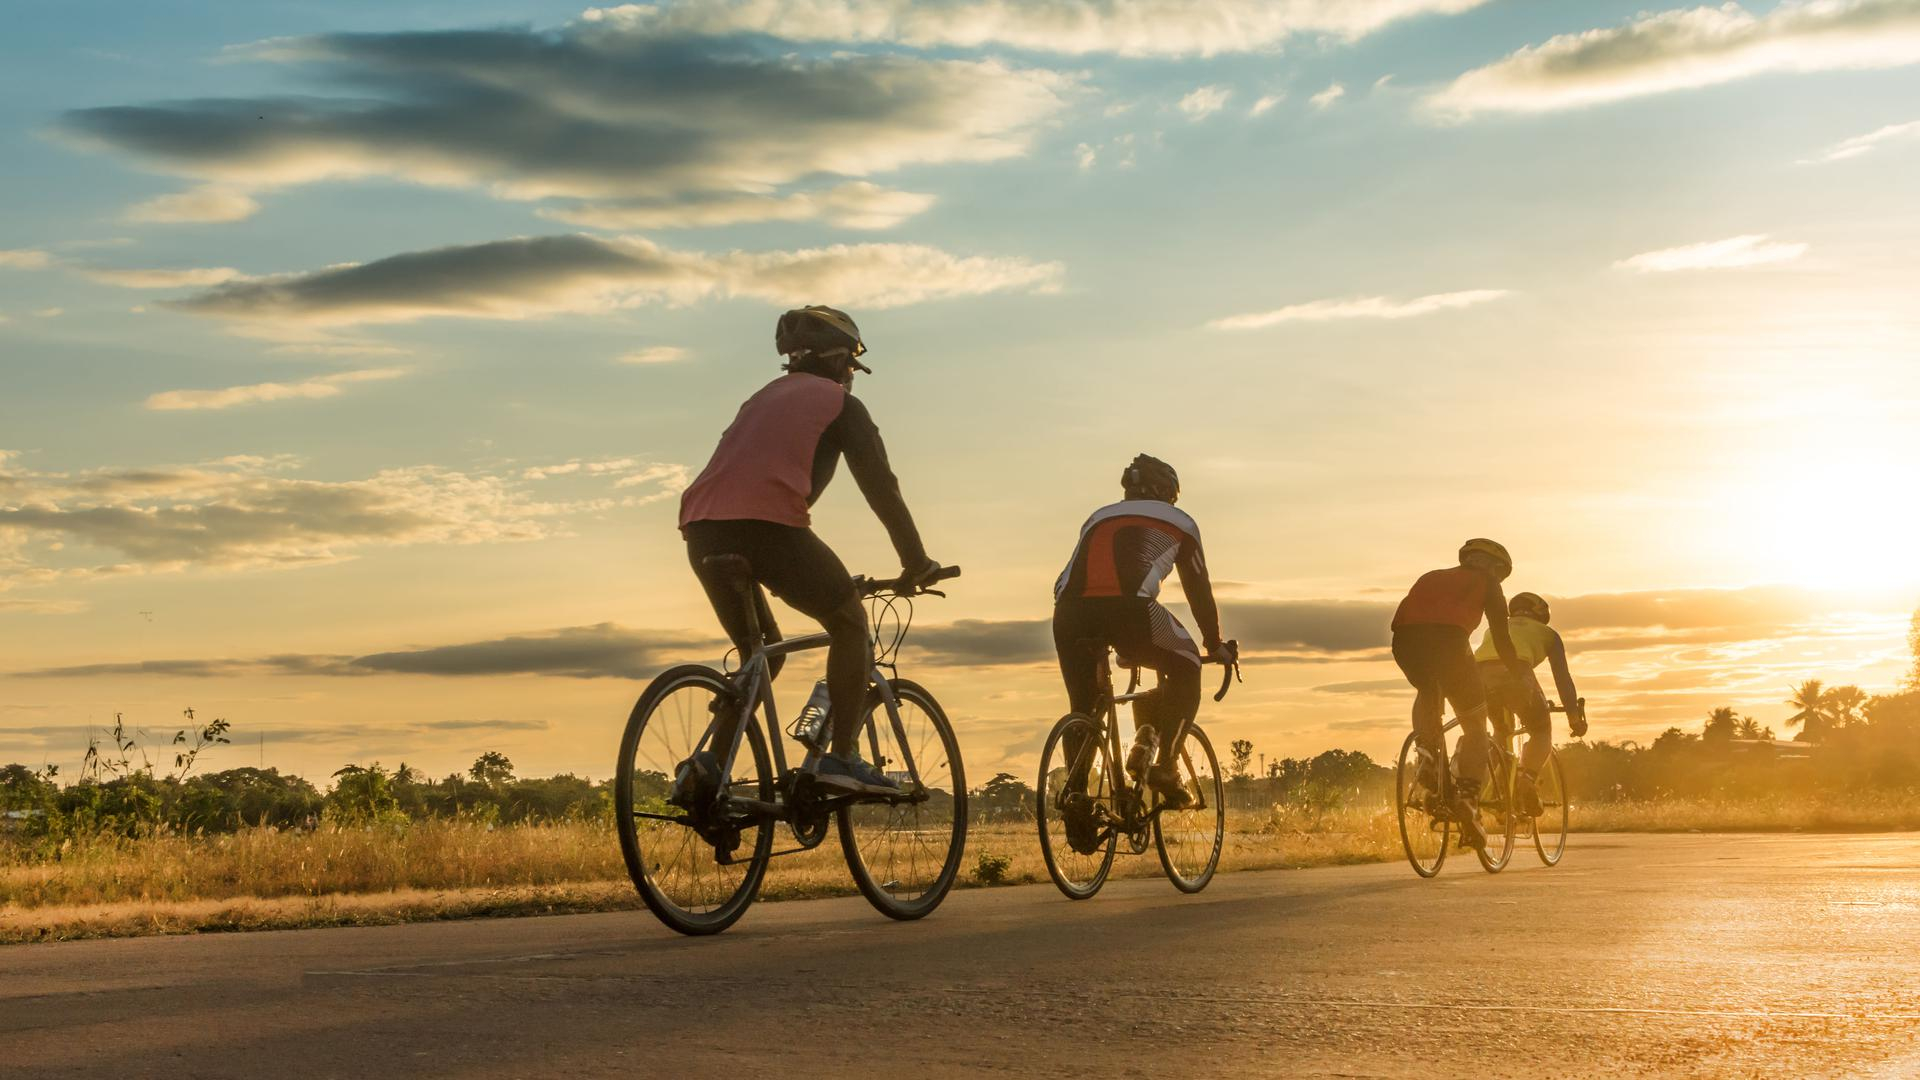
{"x": 1782, "y": 956}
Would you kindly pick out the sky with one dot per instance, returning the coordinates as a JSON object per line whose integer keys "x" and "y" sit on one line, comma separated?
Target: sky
{"x": 354, "y": 354}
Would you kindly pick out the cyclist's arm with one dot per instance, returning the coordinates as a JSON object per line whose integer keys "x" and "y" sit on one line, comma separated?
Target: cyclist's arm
{"x": 1562, "y": 675}
{"x": 1192, "y": 567}
{"x": 856, "y": 436}
{"x": 1497, "y": 624}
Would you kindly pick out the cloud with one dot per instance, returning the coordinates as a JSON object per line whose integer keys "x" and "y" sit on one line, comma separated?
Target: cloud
{"x": 1204, "y": 101}
{"x": 1326, "y": 98}
{"x": 1863, "y": 144}
{"x": 986, "y": 642}
{"x": 526, "y": 278}
{"x": 1371, "y": 307}
{"x": 208, "y": 204}
{"x": 1683, "y": 49}
{"x": 25, "y": 259}
{"x": 1266, "y": 104}
{"x": 1324, "y": 626}
{"x": 1363, "y": 687}
{"x": 1086, "y": 155}
{"x": 1074, "y": 27}
{"x": 188, "y": 277}
{"x": 247, "y": 512}
{"x": 322, "y": 386}
{"x": 631, "y": 126}
{"x": 655, "y": 354}
{"x": 1733, "y": 253}
{"x": 857, "y": 204}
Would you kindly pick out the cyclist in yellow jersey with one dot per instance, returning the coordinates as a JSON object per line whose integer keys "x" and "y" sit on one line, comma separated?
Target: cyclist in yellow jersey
{"x": 1517, "y": 690}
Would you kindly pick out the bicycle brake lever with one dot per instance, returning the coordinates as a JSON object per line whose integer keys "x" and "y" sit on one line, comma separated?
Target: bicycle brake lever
{"x": 933, "y": 592}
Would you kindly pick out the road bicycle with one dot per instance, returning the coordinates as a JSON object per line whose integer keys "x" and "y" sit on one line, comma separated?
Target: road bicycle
{"x": 1085, "y": 807}
{"x": 1426, "y": 817}
{"x": 698, "y": 820}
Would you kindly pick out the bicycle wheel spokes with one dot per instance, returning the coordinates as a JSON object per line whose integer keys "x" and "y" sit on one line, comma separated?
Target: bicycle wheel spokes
{"x": 1498, "y": 816}
{"x": 1550, "y": 828}
{"x": 1190, "y": 840}
{"x": 904, "y": 854}
{"x": 677, "y": 868}
{"x": 1074, "y": 801}
{"x": 1423, "y": 834}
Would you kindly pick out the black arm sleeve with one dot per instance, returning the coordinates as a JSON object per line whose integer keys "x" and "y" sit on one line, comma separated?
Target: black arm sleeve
{"x": 1194, "y": 581}
{"x": 1562, "y": 675}
{"x": 853, "y": 433}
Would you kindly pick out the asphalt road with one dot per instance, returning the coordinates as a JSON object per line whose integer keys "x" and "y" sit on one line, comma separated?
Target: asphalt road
{"x": 1665, "y": 956}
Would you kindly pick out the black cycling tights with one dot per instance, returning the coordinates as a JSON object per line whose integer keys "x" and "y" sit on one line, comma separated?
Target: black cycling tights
{"x": 1081, "y": 631}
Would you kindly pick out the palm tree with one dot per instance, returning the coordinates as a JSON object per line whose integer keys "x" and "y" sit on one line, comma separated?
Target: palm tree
{"x": 1749, "y": 728}
{"x": 1846, "y": 706}
{"x": 1720, "y": 724}
{"x": 1815, "y": 711}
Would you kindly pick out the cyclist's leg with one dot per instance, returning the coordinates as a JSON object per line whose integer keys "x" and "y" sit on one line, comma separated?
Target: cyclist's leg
{"x": 1538, "y": 722}
{"x": 1460, "y": 683}
{"x": 1412, "y": 650}
{"x": 708, "y": 538}
{"x": 1156, "y": 639}
{"x": 1077, "y": 631}
{"x": 805, "y": 573}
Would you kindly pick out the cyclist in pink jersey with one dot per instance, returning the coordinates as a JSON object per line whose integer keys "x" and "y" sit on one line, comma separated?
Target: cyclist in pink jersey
{"x": 754, "y": 497}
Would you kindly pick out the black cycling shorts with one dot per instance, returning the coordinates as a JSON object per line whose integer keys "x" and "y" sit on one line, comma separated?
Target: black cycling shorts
{"x": 1438, "y": 658}
{"x": 797, "y": 565}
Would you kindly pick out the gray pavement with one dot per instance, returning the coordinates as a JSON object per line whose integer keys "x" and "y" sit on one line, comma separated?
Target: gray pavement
{"x": 1762, "y": 956}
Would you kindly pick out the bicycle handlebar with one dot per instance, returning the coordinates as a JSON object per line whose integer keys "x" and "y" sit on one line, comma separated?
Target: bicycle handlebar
{"x": 869, "y": 586}
{"x": 1580, "y": 702}
{"x": 1230, "y": 662}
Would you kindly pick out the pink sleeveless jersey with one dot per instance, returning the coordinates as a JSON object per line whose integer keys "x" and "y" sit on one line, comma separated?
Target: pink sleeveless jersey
{"x": 763, "y": 468}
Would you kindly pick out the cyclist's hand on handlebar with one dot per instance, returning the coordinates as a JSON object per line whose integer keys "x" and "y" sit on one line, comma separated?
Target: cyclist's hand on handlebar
{"x": 1223, "y": 652}
{"x": 1577, "y": 721}
{"x": 923, "y": 575}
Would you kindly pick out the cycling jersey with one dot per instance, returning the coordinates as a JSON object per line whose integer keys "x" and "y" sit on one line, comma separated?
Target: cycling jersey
{"x": 781, "y": 451}
{"x": 1128, "y": 548}
{"x": 1455, "y": 596}
{"x": 1532, "y": 641}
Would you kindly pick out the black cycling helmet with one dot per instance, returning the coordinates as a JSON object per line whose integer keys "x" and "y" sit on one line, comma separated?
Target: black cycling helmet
{"x": 1492, "y": 550}
{"x": 1530, "y": 605}
{"x": 1150, "y": 478}
{"x": 819, "y": 330}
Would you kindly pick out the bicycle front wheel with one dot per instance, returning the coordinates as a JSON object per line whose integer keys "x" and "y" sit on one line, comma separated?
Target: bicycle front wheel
{"x": 1190, "y": 840}
{"x": 1498, "y": 815}
{"x": 1423, "y": 832}
{"x": 904, "y": 855}
{"x": 685, "y": 879}
{"x": 1076, "y": 778}
{"x": 1550, "y": 828}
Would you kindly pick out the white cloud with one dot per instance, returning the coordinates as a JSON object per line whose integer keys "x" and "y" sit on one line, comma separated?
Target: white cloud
{"x": 532, "y": 277}
{"x": 655, "y": 354}
{"x": 1125, "y": 27}
{"x": 252, "y": 513}
{"x": 1686, "y": 48}
{"x": 1371, "y": 307}
{"x": 1733, "y": 253}
{"x": 194, "y": 277}
{"x": 1863, "y": 144}
{"x": 207, "y": 204}
{"x": 1086, "y": 156}
{"x": 648, "y": 130}
{"x": 1204, "y": 101}
{"x": 323, "y": 386}
{"x": 1266, "y": 104}
{"x": 1325, "y": 98}
{"x": 856, "y": 204}
{"x": 25, "y": 259}
{"x": 50, "y": 312}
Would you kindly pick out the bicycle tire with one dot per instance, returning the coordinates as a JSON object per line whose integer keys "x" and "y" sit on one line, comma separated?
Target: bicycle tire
{"x": 1498, "y": 815}
{"x": 942, "y": 764}
{"x": 1555, "y": 803}
{"x": 1212, "y": 791}
{"x": 1415, "y": 821}
{"x": 1078, "y": 876}
{"x": 648, "y": 852}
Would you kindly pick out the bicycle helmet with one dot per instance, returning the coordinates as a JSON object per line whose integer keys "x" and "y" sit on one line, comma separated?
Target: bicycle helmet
{"x": 1531, "y": 605}
{"x": 1150, "y": 478}
{"x": 818, "y": 329}
{"x": 1482, "y": 546}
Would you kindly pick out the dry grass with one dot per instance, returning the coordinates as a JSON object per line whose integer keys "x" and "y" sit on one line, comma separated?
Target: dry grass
{"x": 263, "y": 879}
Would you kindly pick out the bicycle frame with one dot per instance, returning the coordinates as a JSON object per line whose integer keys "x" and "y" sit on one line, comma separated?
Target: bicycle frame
{"x": 1106, "y": 711}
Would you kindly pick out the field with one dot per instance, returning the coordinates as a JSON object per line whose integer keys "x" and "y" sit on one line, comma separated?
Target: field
{"x": 110, "y": 885}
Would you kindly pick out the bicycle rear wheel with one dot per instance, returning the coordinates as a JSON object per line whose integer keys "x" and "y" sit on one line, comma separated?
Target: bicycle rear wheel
{"x": 677, "y": 870}
{"x": 1498, "y": 815}
{"x": 1190, "y": 840}
{"x": 1550, "y": 828}
{"x": 1423, "y": 833}
{"x": 904, "y": 855}
{"x": 1078, "y": 874}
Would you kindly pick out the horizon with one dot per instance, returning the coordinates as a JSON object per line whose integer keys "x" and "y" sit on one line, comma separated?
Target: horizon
{"x": 354, "y": 368}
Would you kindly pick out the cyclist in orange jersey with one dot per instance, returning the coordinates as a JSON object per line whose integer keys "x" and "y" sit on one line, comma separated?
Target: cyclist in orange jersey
{"x": 1518, "y": 692}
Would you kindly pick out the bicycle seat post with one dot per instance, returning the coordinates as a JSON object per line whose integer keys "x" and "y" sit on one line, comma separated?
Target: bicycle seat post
{"x": 738, "y": 574}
